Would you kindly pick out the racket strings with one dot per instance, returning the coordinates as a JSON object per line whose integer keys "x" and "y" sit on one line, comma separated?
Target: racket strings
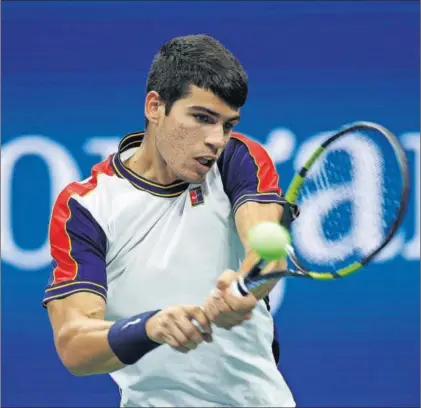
{"x": 349, "y": 201}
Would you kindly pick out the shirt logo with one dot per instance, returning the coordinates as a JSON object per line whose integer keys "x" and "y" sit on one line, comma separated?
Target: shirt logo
{"x": 132, "y": 323}
{"x": 196, "y": 196}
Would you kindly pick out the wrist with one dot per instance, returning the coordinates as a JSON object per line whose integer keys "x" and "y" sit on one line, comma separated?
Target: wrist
{"x": 149, "y": 328}
{"x": 129, "y": 340}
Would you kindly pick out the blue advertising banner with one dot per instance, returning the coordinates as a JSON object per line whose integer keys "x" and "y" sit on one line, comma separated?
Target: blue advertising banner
{"x": 73, "y": 83}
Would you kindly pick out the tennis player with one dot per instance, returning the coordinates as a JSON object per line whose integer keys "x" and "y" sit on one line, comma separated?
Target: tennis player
{"x": 146, "y": 247}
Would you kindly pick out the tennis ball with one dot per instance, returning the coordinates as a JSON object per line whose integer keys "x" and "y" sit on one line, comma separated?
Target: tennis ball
{"x": 269, "y": 240}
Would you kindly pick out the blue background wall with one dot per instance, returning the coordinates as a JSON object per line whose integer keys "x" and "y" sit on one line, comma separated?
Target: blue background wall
{"x": 73, "y": 83}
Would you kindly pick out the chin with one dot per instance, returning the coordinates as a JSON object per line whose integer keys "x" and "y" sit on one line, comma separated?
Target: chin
{"x": 193, "y": 178}
{"x": 196, "y": 180}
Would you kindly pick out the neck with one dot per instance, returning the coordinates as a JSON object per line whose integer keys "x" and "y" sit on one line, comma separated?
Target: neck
{"x": 148, "y": 163}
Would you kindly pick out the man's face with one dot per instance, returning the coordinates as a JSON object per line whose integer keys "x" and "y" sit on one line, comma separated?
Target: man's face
{"x": 192, "y": 137}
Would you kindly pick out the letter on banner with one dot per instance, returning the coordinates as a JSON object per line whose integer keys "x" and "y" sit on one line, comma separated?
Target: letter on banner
{"x": 366, "y": 231}
{"x": 62, "y": 169}
{"x": 411, "y": 141}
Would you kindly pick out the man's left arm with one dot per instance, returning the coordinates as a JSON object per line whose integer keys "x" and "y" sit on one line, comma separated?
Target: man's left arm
{"x": 246, "y": 217}
{"x": 252, "y": 184}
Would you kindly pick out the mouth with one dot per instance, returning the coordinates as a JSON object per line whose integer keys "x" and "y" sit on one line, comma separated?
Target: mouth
{"x": 206, "y": 161}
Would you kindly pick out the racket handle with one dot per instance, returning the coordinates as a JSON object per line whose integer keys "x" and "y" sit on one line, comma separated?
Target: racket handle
{"x": 290, "y": 213}
{"x": 244, "y": 285}
{"x": 257, "y": 269}
{"x": 239, "y": 287}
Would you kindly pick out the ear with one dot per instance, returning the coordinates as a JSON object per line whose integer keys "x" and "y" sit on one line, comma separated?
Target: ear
{"x": 154, "y": 107}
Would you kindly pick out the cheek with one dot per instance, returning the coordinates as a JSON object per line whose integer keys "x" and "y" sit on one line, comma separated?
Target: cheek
{"x": 185, "y": 139}
{"x": 178, "y": 143}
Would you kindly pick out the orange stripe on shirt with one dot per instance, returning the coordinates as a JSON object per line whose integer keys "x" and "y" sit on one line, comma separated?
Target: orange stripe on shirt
{"x": 61, "y": 245}
{"x": 267, "y": 176}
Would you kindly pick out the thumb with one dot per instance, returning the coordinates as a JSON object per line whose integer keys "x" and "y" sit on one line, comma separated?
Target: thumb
{"x": 225, "y": 280}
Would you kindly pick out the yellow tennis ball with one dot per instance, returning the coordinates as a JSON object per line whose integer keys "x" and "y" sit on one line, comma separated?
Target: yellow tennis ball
{"x": 269, "y": 240}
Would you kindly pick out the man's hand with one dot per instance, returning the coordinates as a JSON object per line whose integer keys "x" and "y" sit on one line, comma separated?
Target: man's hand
{"x": 173, "y": 326}
{"x": 226, "y": 309}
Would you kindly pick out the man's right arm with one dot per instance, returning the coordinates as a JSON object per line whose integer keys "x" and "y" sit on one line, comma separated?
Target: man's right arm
{"x": 76, "y": 297}
{"x": 81, "y": 334}
{"x": 87, "y": 344}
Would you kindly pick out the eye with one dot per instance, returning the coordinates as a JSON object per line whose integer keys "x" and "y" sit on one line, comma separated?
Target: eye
{"x": 228, "y": 127}
{"x": 200, "y": 117}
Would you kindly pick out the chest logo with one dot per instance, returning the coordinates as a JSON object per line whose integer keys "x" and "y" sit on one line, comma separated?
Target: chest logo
{"x": 196, "y": 196}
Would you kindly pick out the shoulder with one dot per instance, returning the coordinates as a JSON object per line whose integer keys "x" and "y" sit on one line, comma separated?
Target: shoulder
{"x": 246, "y": 161}
{"x": 84, "y": 202}
{"x": 239, "y": 139}
{"x": 81, "y": 189}
{"x": 242, "y": 151}
{"x": 247, "y": 172}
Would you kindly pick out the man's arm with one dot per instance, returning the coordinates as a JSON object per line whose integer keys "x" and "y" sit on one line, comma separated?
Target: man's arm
{"x": 76, "y": 296}
{"x": 253, "y": 213}
{"x": 246, "y": 217}
{"x": 87, "y": 344}
{"x": 81, "y": 334}
{"x": 251, "y": 183}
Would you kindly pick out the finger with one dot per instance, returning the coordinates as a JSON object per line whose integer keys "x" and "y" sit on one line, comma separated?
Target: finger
{"x": 181, "y": 349}
{"x": 207, "y": 337}
{"x": 233, "y": 318}
{"x": 215, "y": 305}
{"x": 227, "y": 322}
{"x": 189, "y": 330}
{"x": 225, "y": 309}
{"x": 172, "y": 341}
{"x": 212, "y": 306}
{"x": 199, "y": 315}
{"x": 221, "y": 314}
{"x": 178, "y": 334}
{"x": 241, "y": 305}
{"x": 210, "y": 310}
{"x": 225, "y": 280}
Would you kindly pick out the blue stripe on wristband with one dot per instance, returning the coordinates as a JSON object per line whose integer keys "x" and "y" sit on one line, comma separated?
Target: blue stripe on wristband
{"x": 128, "y": 339}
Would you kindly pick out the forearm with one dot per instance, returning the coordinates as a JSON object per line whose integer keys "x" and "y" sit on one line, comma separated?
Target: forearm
{"x": 249, "y": 215}
{"x": 250, "y": 260}
{"x": 84, "y": 349}
{"x": 93, "y": 346}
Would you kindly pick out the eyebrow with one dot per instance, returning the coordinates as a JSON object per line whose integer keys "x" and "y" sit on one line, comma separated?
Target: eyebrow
{"x": 213, "y": 113}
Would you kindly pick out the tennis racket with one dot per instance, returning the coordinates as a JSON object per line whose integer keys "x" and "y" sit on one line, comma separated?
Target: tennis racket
{"x": 351, "y": 196}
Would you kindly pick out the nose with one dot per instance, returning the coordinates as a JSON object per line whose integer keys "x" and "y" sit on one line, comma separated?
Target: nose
{"x": 215, "y": 139}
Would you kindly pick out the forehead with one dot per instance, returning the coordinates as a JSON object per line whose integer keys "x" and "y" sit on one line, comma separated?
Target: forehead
{"x": 207, "y": 99}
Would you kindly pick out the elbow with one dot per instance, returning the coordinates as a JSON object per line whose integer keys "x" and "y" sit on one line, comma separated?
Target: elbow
{"x": 79, "y": 372}
{"x": 73, "y": 364}
{"x": 75, "y": 368}
{"x": 69, "y": 355}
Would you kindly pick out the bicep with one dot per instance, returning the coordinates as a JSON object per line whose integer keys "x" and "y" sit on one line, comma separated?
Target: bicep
{"x": 247, "y": 216}
{"x": 248, "y": 173}
{"x": 252, "y": 213}
{"x": 251, "y": 183}
{"x": 78, "y": 249}
{"x": 75, "y": 308}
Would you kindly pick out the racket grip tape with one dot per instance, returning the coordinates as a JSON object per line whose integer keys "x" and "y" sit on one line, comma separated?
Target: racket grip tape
{"x": 290, "y": 213}
{"x": 257, "y": 269}
{"x": 239, "y": 287}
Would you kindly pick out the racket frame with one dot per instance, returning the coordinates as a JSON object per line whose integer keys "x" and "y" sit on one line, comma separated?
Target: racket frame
{"x": 253, "y": 278}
